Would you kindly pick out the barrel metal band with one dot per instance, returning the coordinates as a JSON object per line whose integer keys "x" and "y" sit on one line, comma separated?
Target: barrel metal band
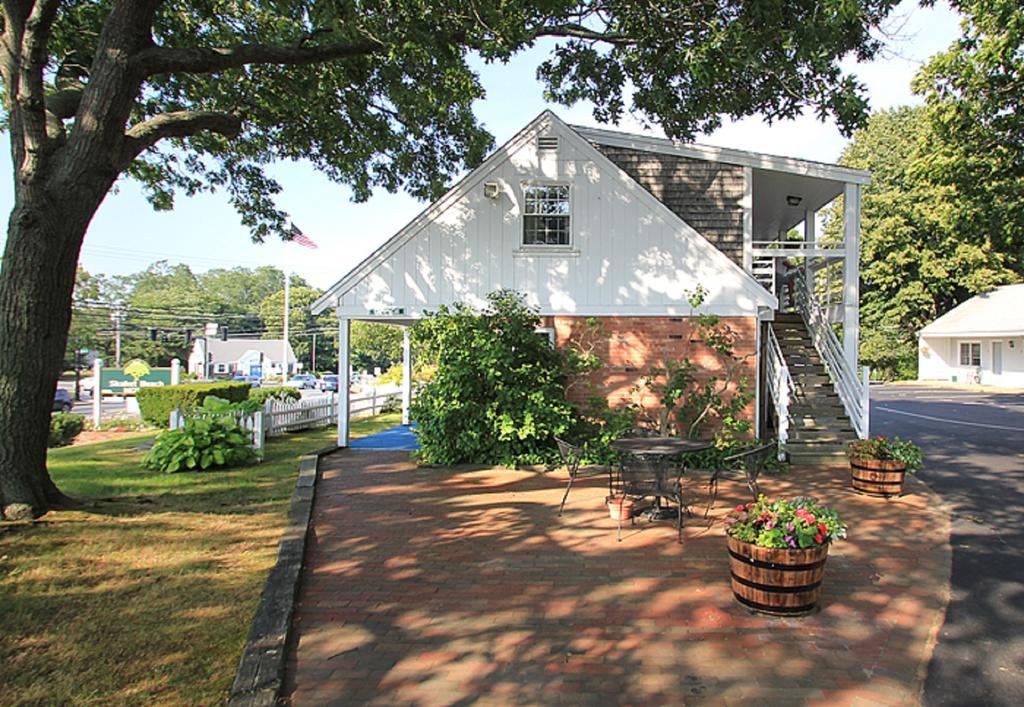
{"x": 775, "y": 588}
{"x": 880, "y": 483}
{"x": 767, "y": 608}
{"x": 775, "y": 565}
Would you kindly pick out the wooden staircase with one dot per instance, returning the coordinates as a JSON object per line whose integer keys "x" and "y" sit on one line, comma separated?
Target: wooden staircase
{"x": 819, "y": 427}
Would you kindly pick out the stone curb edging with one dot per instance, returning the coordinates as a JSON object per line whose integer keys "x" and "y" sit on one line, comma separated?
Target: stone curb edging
{"x": 260, "y": 675}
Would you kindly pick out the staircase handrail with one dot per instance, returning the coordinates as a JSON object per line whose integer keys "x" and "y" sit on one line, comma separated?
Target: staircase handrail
{"x": 780, "y": 388}
{"x": 852, "y": 389}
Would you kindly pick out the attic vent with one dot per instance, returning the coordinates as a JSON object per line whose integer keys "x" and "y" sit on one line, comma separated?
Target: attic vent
{"x": 547, "y": 143}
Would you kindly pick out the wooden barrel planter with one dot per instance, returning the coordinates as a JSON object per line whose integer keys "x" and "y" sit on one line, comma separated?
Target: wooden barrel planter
{"x": 777, "y": 582}
{"x": 876, "y": 477}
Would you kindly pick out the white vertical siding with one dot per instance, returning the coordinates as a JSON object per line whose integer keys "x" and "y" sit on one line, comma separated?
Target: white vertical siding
{"x": 629, "y": 255}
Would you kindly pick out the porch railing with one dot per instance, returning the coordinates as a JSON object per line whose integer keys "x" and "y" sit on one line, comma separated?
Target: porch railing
{"x": 780, "y": 388}
{"x": 852, "y": 389}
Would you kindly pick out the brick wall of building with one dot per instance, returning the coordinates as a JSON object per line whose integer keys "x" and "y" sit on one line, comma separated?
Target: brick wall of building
{"x": 631, "y": 346}
{"x": 707, "y": 195}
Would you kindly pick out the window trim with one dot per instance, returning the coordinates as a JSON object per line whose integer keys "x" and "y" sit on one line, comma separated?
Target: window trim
{"x": 545, "y": 247}
{"x": 549, "y": 330}
{"x": 970, "y": 344}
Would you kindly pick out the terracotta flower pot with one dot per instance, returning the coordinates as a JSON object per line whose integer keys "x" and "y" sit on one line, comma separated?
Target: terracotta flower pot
{"x": 620, "y": 508}
{"x": 876, "y": 477}
{"x": 777, "y": 582}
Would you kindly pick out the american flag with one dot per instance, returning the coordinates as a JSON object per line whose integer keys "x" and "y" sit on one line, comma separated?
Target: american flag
{"x": 302, "y": 239}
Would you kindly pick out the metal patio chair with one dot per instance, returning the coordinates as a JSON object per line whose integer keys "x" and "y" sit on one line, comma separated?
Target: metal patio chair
{"x": 654, "y": 476}
{"x": 751, "y": 463}
{"x": 571, "y": 455}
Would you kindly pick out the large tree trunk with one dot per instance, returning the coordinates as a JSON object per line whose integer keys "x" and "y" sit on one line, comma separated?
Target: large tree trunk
{"x": 37, "y": 279}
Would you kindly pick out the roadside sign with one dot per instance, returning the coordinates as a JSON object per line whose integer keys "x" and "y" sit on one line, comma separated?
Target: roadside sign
{"x": 114, "y": 381}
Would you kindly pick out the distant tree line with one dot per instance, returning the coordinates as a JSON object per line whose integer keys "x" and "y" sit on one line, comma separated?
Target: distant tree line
{"x": 164, "y": 308}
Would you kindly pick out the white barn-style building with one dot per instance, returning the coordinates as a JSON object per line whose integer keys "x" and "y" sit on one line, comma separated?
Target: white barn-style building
{"x": 596, "y": 223}
{"x": 978, "y": 341}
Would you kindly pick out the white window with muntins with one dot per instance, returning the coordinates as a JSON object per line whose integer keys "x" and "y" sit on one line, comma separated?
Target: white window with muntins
{"x": 970, "y": 353}
{"x": 546, "y": 215}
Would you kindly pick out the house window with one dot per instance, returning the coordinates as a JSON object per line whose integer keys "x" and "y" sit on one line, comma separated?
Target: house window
{"x": 970, "y": 353}
{"x": 546, "y": 214}
{"x": 546, "y": 333}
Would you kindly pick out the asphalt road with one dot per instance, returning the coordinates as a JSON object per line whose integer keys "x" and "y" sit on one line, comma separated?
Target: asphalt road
{"x": 974, "y": 458}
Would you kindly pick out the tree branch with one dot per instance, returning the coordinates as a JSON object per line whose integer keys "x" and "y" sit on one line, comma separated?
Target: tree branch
{"x": 27, "y": 95}
{"x": 199, "y": 60}
{"x": 144, "y": 135}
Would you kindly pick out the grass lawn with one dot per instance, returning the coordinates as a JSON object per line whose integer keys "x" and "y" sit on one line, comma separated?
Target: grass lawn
{"x": 145, "y": 595}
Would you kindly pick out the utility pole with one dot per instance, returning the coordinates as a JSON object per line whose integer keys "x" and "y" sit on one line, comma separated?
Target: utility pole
{"x": 312, "y": 356}
{"x": 116, "y": 316}
{"x": 284, "y": 344}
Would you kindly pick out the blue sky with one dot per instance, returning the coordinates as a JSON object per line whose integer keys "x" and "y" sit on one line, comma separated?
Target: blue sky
{"x": 126, "y": 235}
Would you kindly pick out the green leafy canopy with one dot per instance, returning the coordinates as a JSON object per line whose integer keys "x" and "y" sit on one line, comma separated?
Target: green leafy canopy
{"x": 380, "y": 93}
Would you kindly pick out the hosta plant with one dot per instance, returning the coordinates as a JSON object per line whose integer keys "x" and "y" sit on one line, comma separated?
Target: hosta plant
{"x": 212, "y": 440}
{"x": 881, "y": 448}
{"x": 799, "y": 523}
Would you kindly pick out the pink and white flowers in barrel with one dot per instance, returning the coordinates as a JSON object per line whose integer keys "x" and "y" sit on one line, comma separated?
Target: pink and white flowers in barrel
{"x": 793, "y": 524}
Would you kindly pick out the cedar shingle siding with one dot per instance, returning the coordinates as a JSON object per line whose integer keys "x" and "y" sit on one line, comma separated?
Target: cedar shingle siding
{"x": 707, "y": 195}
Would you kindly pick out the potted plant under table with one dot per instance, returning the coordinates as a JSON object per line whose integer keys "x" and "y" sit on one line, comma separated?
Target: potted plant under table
{"x": 878, "y": 465}
{"x": 777, "y": 553}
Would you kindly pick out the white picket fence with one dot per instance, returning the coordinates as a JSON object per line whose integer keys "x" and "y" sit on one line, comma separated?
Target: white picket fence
{"x": 281, "y": 416}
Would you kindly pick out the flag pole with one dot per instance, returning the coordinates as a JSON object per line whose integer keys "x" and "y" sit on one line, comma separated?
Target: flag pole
{"x": 284, "y": 344}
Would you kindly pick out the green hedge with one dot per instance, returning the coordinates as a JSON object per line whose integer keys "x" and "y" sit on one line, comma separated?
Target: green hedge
{"x": 64, "y": 427}
{"x": 264, "y": 394}
{"x": 156, "y": 403}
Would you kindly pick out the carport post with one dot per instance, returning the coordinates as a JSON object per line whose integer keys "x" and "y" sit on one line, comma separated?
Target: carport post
{"x": 851, "y": 273}
{"x": 344, "y": 379}
{"x": 406, "y": 374}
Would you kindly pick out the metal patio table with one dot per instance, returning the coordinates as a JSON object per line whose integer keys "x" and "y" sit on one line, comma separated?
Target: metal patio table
{"x": 658, "y": 450}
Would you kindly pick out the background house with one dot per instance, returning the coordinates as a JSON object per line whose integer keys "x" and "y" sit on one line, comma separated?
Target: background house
{"x": 979, "y": 341}
{"x": 595, "y": 223}
{"x": 251, "y": 357}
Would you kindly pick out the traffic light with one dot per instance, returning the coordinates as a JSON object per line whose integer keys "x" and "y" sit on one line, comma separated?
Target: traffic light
{"x": 223, "y": 333}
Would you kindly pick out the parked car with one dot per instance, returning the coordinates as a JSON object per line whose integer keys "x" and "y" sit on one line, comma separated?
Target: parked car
{"x": 329, "y": 383}
{"x": 302, "y": 381}
{"x": 62, "y": 400}
{"x": 242, "y": 378}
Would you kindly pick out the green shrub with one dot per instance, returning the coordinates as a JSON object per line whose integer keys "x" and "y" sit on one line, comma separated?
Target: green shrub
{"x": 64, "y": 427}
{"x": 156, "y": 404}
{"x": 262, "y": 395}
{"x": 204, "y": 442}
{"x": 498, "y": 393}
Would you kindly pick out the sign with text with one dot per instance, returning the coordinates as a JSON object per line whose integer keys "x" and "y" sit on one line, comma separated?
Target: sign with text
{"x": 116, "y": 381}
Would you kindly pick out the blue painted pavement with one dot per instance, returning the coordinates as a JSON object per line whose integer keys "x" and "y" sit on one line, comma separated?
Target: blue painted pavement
{"x": 397, "y": 438}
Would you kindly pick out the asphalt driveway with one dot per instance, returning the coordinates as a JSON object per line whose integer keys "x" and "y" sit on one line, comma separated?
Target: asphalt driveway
{"x": 974, "y": 458}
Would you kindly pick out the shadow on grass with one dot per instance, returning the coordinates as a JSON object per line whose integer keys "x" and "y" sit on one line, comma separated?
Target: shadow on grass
{"x": 144, "y": 596}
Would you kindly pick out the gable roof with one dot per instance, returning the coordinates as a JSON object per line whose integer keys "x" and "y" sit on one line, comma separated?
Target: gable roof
{"x": 743, "y": 158}
{"x": 546, "y": 119}
{"x": 996, "y": 313}
{"x": 234, "y": 349}
{"x": 326, "y": 300}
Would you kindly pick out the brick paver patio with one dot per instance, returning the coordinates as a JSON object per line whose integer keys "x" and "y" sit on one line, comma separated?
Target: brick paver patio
{"x": 460, "y": 586}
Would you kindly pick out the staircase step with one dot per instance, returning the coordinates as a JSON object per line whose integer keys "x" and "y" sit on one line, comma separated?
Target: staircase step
{"x": 820, "y": 422}
{"x": 841, "y": 438}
